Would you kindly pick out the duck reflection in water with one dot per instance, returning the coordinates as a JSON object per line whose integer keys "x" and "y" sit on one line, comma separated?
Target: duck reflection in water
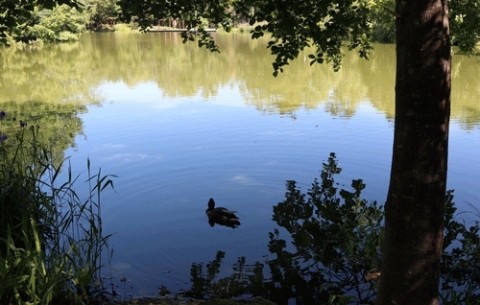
{"x": 221, "y": 216}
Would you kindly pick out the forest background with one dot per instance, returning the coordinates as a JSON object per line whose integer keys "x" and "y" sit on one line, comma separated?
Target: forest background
{"x": 45, "y": 21}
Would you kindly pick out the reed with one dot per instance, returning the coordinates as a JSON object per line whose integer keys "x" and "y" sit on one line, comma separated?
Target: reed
{"x": 51, "y": 241}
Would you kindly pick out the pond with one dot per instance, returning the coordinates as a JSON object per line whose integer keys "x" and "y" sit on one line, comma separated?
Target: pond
{"x": 178, "y": 125}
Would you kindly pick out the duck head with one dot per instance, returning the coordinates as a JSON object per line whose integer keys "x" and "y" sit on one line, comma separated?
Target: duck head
{"x": 211, "y": 204}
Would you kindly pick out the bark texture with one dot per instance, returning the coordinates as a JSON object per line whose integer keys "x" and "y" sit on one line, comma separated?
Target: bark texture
{"x": 415, "y": 202}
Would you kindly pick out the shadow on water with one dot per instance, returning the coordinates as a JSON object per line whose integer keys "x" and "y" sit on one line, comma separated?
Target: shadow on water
{"x": 326, "y": 249}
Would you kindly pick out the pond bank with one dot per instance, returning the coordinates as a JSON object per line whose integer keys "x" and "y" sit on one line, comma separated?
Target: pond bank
{"x": 190, "y": 301}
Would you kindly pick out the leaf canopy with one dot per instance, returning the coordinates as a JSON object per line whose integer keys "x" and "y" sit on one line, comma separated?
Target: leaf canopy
{"x": 327, "y": 26}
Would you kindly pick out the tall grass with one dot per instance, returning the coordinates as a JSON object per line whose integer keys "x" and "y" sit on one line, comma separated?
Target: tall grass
{"x": 51, "y": 241}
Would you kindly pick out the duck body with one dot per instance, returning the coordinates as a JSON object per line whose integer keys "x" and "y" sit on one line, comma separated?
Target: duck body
{"x": 221, "y": 216}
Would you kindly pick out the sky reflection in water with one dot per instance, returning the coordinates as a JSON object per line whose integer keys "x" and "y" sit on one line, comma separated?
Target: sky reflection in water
{"x": 171, "y": 154}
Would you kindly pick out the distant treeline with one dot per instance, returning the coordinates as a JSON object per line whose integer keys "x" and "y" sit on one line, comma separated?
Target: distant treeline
{"x": 65, "y": 23}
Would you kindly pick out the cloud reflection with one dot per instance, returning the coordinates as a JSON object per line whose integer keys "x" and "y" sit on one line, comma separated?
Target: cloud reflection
{"x": 131, "y": 157}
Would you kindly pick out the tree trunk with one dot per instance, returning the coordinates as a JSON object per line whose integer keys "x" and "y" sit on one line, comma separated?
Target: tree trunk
{"x": 415, "y": 202}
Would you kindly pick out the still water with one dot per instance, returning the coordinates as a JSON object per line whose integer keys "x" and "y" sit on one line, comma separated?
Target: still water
{"x": 178, "y": 125}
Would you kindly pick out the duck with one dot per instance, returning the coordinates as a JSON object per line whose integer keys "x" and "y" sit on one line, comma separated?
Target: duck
{"x": 221, "y": 216}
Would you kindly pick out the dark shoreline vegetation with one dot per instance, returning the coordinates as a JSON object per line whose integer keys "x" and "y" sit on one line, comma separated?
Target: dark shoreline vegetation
{"x": 325, "y": 248}
{"x": 51, "y": 240}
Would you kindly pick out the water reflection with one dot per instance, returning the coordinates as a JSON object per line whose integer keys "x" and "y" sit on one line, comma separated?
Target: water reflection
{"x": 326, "y": 249}
{"x": 246, "y": 279}
{"x": 55, "y": 125}
{"x": 165, "y": 105}
{"x": 70, "y": 72}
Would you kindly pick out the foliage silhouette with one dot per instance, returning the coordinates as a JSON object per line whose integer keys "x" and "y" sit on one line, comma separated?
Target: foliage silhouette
{"x": 336, "y": 237}
{"x": 460, "y": 265}
{"x": 245, "y": 279}
{"x": 326, "y": 250}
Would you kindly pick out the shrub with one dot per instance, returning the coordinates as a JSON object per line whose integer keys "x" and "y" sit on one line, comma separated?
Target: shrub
{"x": 62, "y": 23}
